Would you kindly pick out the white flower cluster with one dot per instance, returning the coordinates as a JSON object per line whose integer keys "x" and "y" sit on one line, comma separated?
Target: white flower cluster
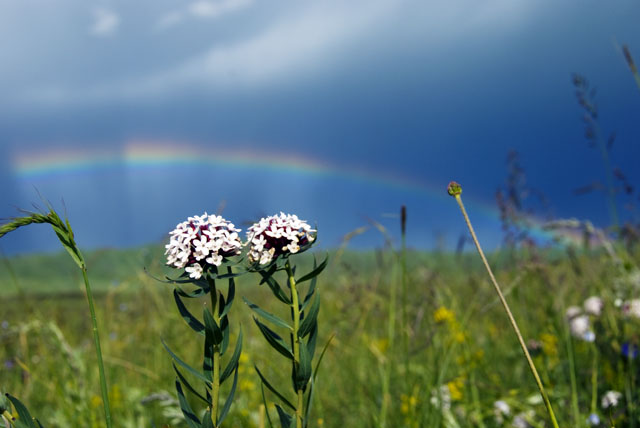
{"x": 579, "y": 324}
{"x": 276, "y": 235}
{"x": 202, "y": 240}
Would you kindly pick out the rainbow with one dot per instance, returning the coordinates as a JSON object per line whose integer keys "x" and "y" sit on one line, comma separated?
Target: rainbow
{"x": 140, "y": 154}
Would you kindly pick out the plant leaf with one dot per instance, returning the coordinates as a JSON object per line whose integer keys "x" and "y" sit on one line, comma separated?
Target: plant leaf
{"x": 272, "y": 389}
{"x": 275, "y": 287}
{"x": 227, "y": 403}
{"x": 231, "y": 293}
{"x": 211, "y": 327}
{"x": 315, "y": 272}
{"x": 267, "y": 315}
{"x": 274, "y": 340}
{"x": 206, "y": 420}
{"x": 24, "y": 417}
{"x": 233, "y": 362}
{"x": 303, "y": 370}
{"x": 266, "y": 407}
{"x": 184, "y": 381}
{"x": 310, "y": 318}
{"x": 193, "y": 322}
{"x": 189, "y": 416}
{"x": 190, "y": 369}
{"x": 285, "y": 418}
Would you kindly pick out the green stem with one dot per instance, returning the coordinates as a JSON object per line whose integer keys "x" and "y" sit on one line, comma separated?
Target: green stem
{"x": 594, "y": 380}
{"x": 296, "y": 340}
{"x": 572, "y": 378}
{"x": 96, "y": 338}
{"x": 215, "y": 384}
{"x": 387, "y": 366}
{"x": 512, "y": 320}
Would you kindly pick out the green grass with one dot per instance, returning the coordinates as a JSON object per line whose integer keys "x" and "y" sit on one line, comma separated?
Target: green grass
{"x": 49, "y": 362}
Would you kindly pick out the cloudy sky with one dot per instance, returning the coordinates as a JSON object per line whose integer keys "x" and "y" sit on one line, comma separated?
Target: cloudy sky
{"x": 138, "y": 114}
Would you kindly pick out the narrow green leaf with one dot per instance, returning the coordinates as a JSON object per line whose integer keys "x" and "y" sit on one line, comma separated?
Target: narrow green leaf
{"x": 315, "y": 272}
{"x": 231, "y": 293}
{"x": 275, "y": 288}
{"x": 190, "y": 369}
{"x": 311, "y": 340}
{"x": 225, "y": 335}
{"x": 285, "y": 418}
{"x": 272, "y": 389}
{"x": 310, "y": 291}
{"x": 211, "y": 327}
{"x": 324, "y": 349}
{"x": 24, "y": 417}
{"x": 266, "y": 407}
{"x": 189, "y": 416}
{"x": 186, "y": 383}
{"x": 312, "y": 381}
{"x": 207, "y": 360}
{"x": 303, "y": 370}
{"x": 193, "y": 322}
{"x": 267, "y": 315}
{"x": 233, "y": 362}
{"x": 206, "y": 420}
{"x": 311, "y": 318}
{"x": 274, "y": 340}
{"x": 227, "y": 403}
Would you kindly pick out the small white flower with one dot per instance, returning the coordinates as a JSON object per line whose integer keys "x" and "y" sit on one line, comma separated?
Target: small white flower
{"x": 441, "y": 397}
{"x": 277, "y": 235}
{"x": 194, "y": 271}
{"x": 610, "y": 399}
{"x": 500, "y": 410}
{"x": 502, "y": 407}
{"x": 593, "y": 306}
{"x": 520, "y": 420}
{"x": 579, "y": 326}
{"x": 631, "y": 308}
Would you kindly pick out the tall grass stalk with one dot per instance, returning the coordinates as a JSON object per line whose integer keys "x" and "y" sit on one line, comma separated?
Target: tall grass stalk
{"x": 65, "y": 235}
{"x": 454, "y": 189}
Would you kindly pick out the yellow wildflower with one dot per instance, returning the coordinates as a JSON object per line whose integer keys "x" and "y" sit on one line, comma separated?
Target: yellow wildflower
{"x": 442, "y": 314}
{"x": 455, "y": 388}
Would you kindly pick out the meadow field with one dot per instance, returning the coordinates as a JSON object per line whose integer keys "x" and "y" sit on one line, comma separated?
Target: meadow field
{"x": 419, "y": 339}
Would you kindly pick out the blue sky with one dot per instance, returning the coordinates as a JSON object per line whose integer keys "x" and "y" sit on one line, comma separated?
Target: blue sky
{"x": 424, "y": 91}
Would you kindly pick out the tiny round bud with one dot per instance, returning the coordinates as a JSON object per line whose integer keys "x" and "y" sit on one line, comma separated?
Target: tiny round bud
{"x": 454, "y": 189}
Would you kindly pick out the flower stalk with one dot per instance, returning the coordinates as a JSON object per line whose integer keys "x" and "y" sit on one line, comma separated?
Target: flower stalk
{"x": 296, "y": 339}
{"x": 454, "y": 189}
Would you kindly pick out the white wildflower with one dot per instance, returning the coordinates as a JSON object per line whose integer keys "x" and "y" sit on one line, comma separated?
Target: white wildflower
{"x": 521, "y": 420}
{"x": 500, "y": 410}
{"x": 201, "y": 241}
{"x": 580, "y": 327}
{"x": 194, "y": 271}
{"x": 593, "y": 306}
{"x": 277, "y": 235}
{"x": 441, "y": 397}
{"x": 631, "y": 308}
{"x": 611, "y": 399}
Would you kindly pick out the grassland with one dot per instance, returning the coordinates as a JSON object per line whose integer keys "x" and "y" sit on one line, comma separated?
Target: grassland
{"x": 443, "y": 359}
